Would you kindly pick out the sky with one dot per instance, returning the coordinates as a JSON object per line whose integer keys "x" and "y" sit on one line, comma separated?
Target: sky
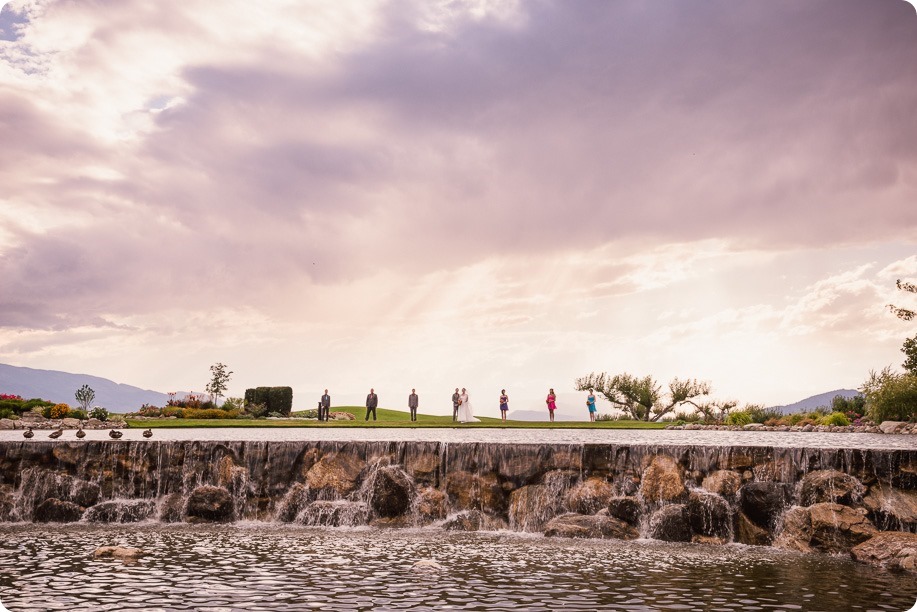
{"x": 480, "y": 193}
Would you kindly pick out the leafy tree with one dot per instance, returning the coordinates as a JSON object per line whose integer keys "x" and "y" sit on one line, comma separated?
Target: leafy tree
{"x": 891, "y": 396}
{"x": 643, "y": 399}
{"x": 84, "y": 396}
{"x": 219, "y": 381}
{"x": 839, "y": 403}
{"x": 910, "y": 352}
{"x": 904, "y": 313}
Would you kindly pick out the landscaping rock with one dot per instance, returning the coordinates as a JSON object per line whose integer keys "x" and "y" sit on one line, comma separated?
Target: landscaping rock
{"x": 391, "y": 492}
{"x": 746, "y": 532}
{"x": 430, "y": 505}
{"x": 7, "y": 424}
{"x": 763, "y": 502}
{"x": 625, "y": 508}
{"x": 468, "y": 491}
{"x": 709, "y": 514}
{"x": 531, "y": 506}
{"x": 172, "y": 508}
{"x": 57, "y": 511}
{"x": 893, "y": 550}
{"x": 663, "y": 481}
{"x": 338, "y": 473}
{"x": 341, "y": 416}
{"x": 722, "y": 482}
{"x": 837, "y": 528}
{"x": 671, "y": 524}
{"x": 589, "y": 496}
{"x": 427, "y": 565}
{"x": 796, "y": 530}
{"x": 209, "y": 503}
{"x": 122, "y": 553}
{"x": 830, "y": 486}
{"x": 296, "y": 498}
{"x": 889, "y": 427}
{"x": 574, "y": 525}
{"x": 472, "y": 520}
{"x": 892, "y": 509}
{"x": 334, "y": 514}
{"x": 121, "y": 511}
{"x": 70, "y": 423}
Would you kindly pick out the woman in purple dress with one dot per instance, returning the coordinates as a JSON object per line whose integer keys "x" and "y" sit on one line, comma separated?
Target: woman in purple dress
{"x": 551, "y": 402}
{"x": 504, "y": 403}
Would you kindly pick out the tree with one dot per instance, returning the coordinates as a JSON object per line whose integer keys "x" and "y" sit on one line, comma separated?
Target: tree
{"x": 910, "y": 352}
{"x": 219, "y": 381}
{"x": 891, "y": 396}
{"x": 904, "y": 313}
{"x": 84, "y": 396}
{"x": 643, "y": 398}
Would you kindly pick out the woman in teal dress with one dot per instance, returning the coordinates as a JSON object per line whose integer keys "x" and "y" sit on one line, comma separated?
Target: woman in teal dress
{"x": 590, "y": 403}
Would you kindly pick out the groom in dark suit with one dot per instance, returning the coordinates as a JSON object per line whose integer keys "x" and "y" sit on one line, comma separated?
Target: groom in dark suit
{"x": 324, "y": 408}
{"x": 372, "y": 400}
{"x": 412, "y": 404}
{"x": 456, "y": 400}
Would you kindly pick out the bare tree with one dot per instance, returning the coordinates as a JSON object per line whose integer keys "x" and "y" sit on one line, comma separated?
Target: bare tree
{"x": 643, "y": 399}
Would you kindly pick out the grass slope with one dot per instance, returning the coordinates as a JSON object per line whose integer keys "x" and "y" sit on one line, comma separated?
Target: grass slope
{"x": 391, "y": 418}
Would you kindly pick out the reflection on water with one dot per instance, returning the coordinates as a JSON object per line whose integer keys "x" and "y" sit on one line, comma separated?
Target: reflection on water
{"x": 780, "y": 439}
{"x": 217, "y": 568}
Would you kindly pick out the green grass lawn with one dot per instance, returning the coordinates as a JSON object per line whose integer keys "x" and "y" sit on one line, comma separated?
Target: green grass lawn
{"x": 392, "y": 418}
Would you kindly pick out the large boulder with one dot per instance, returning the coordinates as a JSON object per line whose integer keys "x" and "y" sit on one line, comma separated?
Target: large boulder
{"x": 830, "y": 486}
{"x": 430, "y": 505}
{"x": 7, "y": 424}
{"x": 572, "y": 525}
{"x": 625, "y": 508}
{"x": 709, "y": 514}
{"x": 296, "y": 498}
{"x": 746, "y": 532}
{"x": 589, "y": 496}
{"x": 335, "y": 475}
{"x": 57, "y": 511}
{"x": 474, "y": 520}
{"x": 891, "y": 549}
{"x": 531, "y": 506}
{"x": 391, "y": 492}
{"x": 467, "y": 491}
{"x": 128, "y": 511}
{"x": 334, "y": 514}
{"x": 763, "y": 502}
{"x": 837, "y": 528}
{"x": 722, "y": 482}
{"x": 209, "y": 503}
{"x": 795, "y": 532}
{"x": 663, "y": 481}
{"x": 892, "y": 509}
{"x": 41, "y": 484}
{"x": 671, "y": 524}
{"x": 121, "y": 553}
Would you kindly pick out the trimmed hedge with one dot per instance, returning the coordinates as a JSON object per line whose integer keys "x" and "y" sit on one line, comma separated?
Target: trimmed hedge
{"x": 275, "y": 399}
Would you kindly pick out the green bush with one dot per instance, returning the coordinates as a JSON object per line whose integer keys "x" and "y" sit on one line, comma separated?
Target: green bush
{"x": 99, "y": 413}
{"x": 305, "y": 414}
{"x": 149, "y": 411}
{"x": 6, "y": 413}
{"x": 256, "y": 411}
{"x": 76, "y": 413}
{"x": 275, "y": 399}
{"x": 739, "y": 417}
{"x": 835, "y": 418}
{"x": 891, "y": 396}
{"x": 760, "y": 414}
{"x": 233, "y": 403}
{"x": 173, "y": 411}
{"x": 209, "y": 413}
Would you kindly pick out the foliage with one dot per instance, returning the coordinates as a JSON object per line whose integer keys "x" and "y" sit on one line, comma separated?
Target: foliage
{"x": 257, "y": 410}
{"x": 10, "y": 396}
{"x": 904, "y": 313}
{"x": 219, "y": 381}
{"x": 173, "y": 411}
{"x": 739, "y": 417}
{"x": 643, "y": 398}
{"x": 77, "y": 413}
{"x": 890, "y": 396}
{"x": 84, "y": 396}
{"x": 149, "y": 411}
{"x": 839, "y": 403}
{"x": 233, "y": 403}
{"x": 6, "y": 413}
{"x": 57, "y": 411}
{"x": 209, "y": 413}
{"x": 909, "y": 348}
{"x": 275, "y": 399}
{"x": 835, "y": 418}
{"x": 15, "y": 405}
{"x": 760, "y": 414}
{"x": 99, "y": 413}
{"x": 275, "y": 415}
{"x": 305, "y": 414}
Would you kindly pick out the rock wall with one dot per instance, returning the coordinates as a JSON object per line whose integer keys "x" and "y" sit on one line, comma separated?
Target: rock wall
{"x": 798, "y": 498}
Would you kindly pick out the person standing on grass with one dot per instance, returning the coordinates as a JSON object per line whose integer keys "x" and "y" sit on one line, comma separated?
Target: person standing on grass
{"x": 590, "y": 404}
{"x": 504, "y": 404}
{"x": 456, "y": 400}
{"x": 551, "y": 401}
{"x": 324, "y": 407}
{"x": 412, "y": 404}
{"x": 372, "y": 400}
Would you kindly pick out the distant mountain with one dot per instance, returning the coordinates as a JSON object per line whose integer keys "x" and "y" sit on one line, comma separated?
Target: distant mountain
{"x": 540, "y": 415}
{"x": 811, "y": 403}
{"x": 59, "y": 387}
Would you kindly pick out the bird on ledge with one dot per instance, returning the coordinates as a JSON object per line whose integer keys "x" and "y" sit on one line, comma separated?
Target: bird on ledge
{"x": 148, "y": 433}
{"x": 114, "y": 434}
{"x": 79, "y": 432}
{"x": 28, "y": 433}
{"x": 57, "y": 433}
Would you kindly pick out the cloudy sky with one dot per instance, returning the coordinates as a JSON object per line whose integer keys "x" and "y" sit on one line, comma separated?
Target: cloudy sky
{"x": 486, "y": 193}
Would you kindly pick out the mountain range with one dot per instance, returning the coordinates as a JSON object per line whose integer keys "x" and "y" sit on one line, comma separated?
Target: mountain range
{"x": 816, "y": 401}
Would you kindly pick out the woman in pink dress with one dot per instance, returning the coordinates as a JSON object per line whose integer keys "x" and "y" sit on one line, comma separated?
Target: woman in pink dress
{"x": 552, "y": 406}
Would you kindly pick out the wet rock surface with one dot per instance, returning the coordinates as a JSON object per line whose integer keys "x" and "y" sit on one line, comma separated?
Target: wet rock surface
{"x": 891, "y": 549}
{"x": 572, "y": 525}
{"x": 209, "y": 503}
{"x": 671, "y": 524}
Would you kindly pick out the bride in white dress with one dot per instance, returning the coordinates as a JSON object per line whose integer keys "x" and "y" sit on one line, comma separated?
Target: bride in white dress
{"x": 465, "y": 411}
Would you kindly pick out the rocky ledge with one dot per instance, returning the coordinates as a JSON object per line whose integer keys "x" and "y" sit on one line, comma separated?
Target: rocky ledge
{"x": 886, "y": 427}
{"x": 36, "y": 421}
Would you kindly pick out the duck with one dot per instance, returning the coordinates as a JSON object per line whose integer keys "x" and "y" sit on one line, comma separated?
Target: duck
{"x": 114, "y": 434}
{"x": 28, "y": 433}
{"x": 57, "y": 433}
{"x": 80, "y": 433}
{"x": 148, "y": 433}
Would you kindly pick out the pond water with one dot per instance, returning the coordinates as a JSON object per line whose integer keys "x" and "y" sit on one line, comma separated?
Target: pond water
{"x": 253, "y": 567}
{"x": 510, "y": 436}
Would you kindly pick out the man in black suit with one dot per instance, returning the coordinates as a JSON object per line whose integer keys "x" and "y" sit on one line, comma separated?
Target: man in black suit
{"x": 412, "y": 404}
{"x": 372, "y": 400}
{"x": 324, "y": 408}
{"x": 456, "y": 400}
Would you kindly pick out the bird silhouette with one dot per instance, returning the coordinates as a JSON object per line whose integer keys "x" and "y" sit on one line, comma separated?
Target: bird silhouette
{"x": 114, "y": 434}
{"x": 28, "y": 433}
{"x": 57, "y": 433}
{"x": 148, "y": 433}
{"x": 80, "y": 433}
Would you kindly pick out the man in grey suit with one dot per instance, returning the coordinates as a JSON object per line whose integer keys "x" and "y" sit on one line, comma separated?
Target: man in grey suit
{"x": 372, "y": 400}
{"x": 412, "y": 404}
{"x": 324, "y": 408}
{"x": 456, "y": 400}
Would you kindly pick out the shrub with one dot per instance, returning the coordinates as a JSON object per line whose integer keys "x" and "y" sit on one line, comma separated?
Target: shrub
{"x": 760, "y": 414}
{"x": 275, "y": 415}
{"x": 276, "y": 399}
{"x": 149, "y": 411}
{"x": 99, "y": 413}
{"x": 6, "y": 413}
{"x": 257, "y": 411}
{"x": 740, "y": 417}
{"x": 891, "y": 396}
{"x": 305, "y": 414}
{"x": 76, "y": 413}
{"x": 835, "y": 418}
{"x": 173, "y": 411}
{"x": 807, "y": 421}
{"x": 55, "y": 411}
{"x": 209, "y": 413}
{"x": 233, "y": 403}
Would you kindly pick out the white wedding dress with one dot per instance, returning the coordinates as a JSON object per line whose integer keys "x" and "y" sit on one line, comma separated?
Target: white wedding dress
{"x": 465, "y": 411}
